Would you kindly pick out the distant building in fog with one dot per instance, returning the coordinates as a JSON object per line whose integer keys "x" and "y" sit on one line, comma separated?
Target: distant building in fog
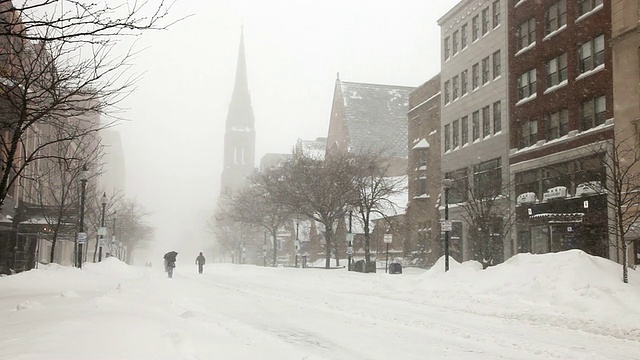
{"x": 113, "y": 176}
{"x": 271, "y": 160}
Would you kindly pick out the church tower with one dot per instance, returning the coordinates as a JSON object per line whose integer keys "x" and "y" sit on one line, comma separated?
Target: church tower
{"x": 240, "y": 136}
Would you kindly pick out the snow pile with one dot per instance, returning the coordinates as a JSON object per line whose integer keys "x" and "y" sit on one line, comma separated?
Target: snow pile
{"x": 571, "y": 289}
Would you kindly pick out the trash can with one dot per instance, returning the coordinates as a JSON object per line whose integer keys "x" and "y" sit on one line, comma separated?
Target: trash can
{"x": 395, "y": 268}
{"x": 359, "y": 266}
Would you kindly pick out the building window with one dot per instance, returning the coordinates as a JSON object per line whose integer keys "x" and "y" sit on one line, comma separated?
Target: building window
{"x": 455, "y": 87}
{"x": 463, "y": 36}
{"x": 497, "y": 67}
{"x": 422, "y": 183}
{"x": 593, "y": 112}
{"x": 557, "y": 124}
{"x": 422, "y": 158}
{"x": 446, "y": 92}
{"x": 496, "y": 13}
{"x": 528, "y": 181}
{"x": 460, "y": 186}
{"x": 485, "y": 70}
{"x": 475, "y": 75}
{"x": 456, "y": 133}
{"x": 463, "y": 82}
{"x": 486, "y": 122}
{"x": 447, "y": 49}
{"x": 447, "y": 137}
{"x": 556, "y": 16}
{"x": 464, "y": 129}
{"x": 487, "y": 178}
{"x": 455, "y": 42}
{"x": 584, "y": 6}
{"x": 485, "y": 21}
{"x": 557, "y": 70}
{"x": 526, "y": 84}
{"x": 591, "y": 54}
{"x": 475, "y": 28}
{"x": 475, "y": 127}
{"x": 528, "y": 133}
{"x": 497, "y": 117}
{"x": 526, "y": 33}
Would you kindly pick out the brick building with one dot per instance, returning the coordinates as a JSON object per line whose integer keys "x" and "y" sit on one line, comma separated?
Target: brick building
{"x": 423, "y": 171}
{"x": 561, "y": 115}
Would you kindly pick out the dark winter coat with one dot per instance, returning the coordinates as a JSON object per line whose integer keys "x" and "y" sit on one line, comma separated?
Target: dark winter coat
{"x": 200, "y": 260}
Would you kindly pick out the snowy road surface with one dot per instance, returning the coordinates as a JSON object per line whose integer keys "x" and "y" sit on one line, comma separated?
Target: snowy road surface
{"x": 112, "y": 311}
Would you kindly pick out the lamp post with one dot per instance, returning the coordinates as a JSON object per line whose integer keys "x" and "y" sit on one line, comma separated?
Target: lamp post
{"x": 297, "y": 243}
{"x": 113, "y": 237}
{"x": 102, "y": 228}
{"x": 82, "y": 236}
{"x": 349, "y": 242}
{"x": 446, "y": 185}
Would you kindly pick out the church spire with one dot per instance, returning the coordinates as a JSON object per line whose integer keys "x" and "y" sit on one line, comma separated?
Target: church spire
{"x": 239, "y": 138}
{"x": 241, "y": 86}
{"x": 240, "y": 110}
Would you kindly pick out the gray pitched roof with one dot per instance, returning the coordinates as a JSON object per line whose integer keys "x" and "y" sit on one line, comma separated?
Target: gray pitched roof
{"x": 376, "y": 117}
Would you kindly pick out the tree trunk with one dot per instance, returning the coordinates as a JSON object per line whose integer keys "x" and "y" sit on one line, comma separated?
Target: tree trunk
{"x": 53, "y": 248}
{"x": 337, "y": 252}
{"x": 327, "y": 249}
{"x": 275, "y": 248}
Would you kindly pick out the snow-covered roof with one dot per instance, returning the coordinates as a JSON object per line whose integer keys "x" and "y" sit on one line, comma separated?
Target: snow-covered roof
{"x": 314, "y": 149}
{"x": 376, "y": 117}
{"x": 422, "y": 144}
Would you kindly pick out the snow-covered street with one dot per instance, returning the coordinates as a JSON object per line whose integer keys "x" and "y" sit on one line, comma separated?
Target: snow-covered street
{"x": 555, "y": 306}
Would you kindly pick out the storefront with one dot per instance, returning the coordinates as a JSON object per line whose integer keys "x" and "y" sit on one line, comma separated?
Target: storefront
{"x": 563, "y": 224}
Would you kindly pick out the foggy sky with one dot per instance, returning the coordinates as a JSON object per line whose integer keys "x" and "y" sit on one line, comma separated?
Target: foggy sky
{"x": 173, "y": 143}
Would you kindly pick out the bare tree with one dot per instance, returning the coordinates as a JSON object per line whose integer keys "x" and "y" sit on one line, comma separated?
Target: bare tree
{"x": 621, "y": 189}
{"x": 321, "y": 190}
{"x": 56, "y": 186}
{"x": 132, "y": 228}
{"x": 255, "y": 205}
{"x": 487, "y": 212}
{"x": 375, "y": 193}
{"x": 58, "y": 62}
{"x": 225, "y": 230}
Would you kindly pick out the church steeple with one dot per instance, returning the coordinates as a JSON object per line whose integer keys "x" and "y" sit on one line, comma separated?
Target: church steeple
{"x": 239, "y": 139}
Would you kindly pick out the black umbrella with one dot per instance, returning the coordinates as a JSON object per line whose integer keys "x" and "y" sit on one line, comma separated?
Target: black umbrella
{"x": 171, "y": 256}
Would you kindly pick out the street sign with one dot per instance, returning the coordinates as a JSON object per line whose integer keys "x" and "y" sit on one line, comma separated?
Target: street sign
{"x": 349, "y": 238}
{"x": 445, "y": 225}
{"x": 102, "y": 231}
{"x": 350, "y": 250}
{"x": 82, "y": 238}
{"x": 388, "y": 238}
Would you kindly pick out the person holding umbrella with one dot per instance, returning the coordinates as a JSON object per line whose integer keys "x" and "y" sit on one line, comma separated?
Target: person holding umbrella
{"x": 170, "y": 262}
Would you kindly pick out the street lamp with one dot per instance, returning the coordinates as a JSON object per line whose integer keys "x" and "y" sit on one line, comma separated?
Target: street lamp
{"x": 113, "y": 238}
{"x": 446, "y": 185}
{"x": 82, "y": 236}
{"x": 297, "y": 243}
{"x": 102, "y": 229}
{"x": 350, "y": 241}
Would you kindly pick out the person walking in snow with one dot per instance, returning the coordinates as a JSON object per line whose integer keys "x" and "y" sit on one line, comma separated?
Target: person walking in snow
{"x": 200, "y": 260}
{"x": 170, "y": 262}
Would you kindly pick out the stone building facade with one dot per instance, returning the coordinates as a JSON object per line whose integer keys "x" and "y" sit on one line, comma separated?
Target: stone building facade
{"x": 474, "y": 101}
{"x": 625, "y": 45}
